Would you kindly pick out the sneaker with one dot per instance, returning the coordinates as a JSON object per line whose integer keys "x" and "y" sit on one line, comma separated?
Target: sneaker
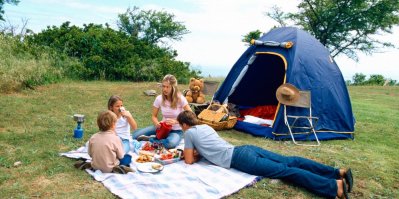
{"x": 118, "y": 169}
{"x": 86, "y": 165}
{"x": 78, "y": 164}
{"x": 143, "y": 138}
{"x": 82, "y": 165}
{"x": 127, "y": 169}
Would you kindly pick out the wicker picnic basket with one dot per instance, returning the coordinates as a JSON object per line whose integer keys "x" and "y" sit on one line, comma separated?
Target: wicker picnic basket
{"x": 217, "y": 117}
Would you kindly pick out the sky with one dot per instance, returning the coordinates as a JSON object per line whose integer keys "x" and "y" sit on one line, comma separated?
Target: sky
{"x": 216, "y": 29}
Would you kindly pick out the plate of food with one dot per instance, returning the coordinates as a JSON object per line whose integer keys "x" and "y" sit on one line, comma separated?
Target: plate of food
{"x": 145, "y": 156}
{"x": 150, "y": 167}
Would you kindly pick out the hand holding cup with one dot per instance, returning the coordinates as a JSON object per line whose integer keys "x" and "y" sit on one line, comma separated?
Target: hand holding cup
{"x": 124, "y": 112}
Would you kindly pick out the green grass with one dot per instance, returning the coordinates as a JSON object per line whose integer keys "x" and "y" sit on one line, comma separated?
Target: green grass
{"x": 36, "y": 125}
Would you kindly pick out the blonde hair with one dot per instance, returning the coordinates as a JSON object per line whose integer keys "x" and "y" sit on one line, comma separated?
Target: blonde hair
{"x": 105, "y": 120}
{"x": 175, "y": 91}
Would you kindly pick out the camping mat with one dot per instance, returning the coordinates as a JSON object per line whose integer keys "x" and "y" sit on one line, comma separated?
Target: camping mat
{"x": 177, "y": 180}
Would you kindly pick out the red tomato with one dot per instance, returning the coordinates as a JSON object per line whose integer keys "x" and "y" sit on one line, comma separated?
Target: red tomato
{"x": 147, "y": 147}
{"x": 166, "y": 156}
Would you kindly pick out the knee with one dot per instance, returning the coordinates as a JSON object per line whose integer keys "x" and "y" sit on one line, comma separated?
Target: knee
{"x": 171, "y": 142}
{"x": 296, "y": 160}
{"x": 169, "y": 145}
{"x": 144, "y": 131}
{"x": 135, "y": 134}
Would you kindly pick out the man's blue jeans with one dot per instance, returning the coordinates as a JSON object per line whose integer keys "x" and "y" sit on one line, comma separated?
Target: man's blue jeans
{"x": 316, "y": 177}
{"x": 171, "y": 141}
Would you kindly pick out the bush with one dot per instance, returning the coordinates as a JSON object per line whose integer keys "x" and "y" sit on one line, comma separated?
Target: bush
{"x": 374, "y": 80}
{"x": 108, "y": 54}
{"x": 24, "y": 66}
{"x": 378, "y": 80}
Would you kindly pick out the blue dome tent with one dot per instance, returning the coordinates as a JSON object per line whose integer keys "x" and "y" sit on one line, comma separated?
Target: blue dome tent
{"x": 264, "y": 66}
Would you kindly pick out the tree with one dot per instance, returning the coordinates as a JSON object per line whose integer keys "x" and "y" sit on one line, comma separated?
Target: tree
{"x": 251, "y": 35}
{"x": 2, "y": 2}
{"x": 359, "y": 79}
{"x": 346, "y": 26}
{"x": 278, "y": 15}
{"x": 151, "y": 26}
{"x": 392, "y": 82}
{"x": 20, "y": 31}
{"x": 376, "y": 80}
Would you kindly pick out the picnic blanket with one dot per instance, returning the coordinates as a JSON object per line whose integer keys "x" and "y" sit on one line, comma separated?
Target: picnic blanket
{"x": 177, "y": 180}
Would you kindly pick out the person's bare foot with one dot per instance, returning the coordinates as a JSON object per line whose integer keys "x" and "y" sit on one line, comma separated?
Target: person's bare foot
{"x": 342, "y": 192}
{"x": 342, "y": 173}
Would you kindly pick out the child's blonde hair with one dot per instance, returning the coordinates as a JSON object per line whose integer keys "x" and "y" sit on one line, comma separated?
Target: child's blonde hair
{"x": 174, "y": 94}
{"x": 106, "y": 120}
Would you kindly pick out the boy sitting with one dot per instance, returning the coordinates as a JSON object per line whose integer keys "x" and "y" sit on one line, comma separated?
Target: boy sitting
{"x": 105, "y": 147}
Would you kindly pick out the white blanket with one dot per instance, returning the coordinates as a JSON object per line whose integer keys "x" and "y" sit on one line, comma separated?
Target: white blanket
{"x": 177, "y": 180}
{"x": 257, "y": 120}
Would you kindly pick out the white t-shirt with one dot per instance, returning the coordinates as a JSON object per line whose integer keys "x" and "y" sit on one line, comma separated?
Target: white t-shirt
{"x": 122, "y": 128}
{"x": 168, "y": 112}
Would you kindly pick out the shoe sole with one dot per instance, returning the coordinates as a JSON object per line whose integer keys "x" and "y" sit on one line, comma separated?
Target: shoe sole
{"x": 143, "y": 138}
{"x": 349, "y": 179}
{"x": 119, "y": 170}
{"x": 346, "y": 195}
{"x": 78, "y": 164}
{"x": 127, "y": 169}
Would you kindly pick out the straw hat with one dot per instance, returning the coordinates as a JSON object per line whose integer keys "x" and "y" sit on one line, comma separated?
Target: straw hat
{"x": 287, "y": 94}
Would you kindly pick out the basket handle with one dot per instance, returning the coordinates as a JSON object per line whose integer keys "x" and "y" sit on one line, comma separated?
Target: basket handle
{"x": 220, "y": 109}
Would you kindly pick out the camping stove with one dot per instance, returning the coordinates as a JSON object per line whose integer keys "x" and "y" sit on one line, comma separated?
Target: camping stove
{"x": 78, "y": 132}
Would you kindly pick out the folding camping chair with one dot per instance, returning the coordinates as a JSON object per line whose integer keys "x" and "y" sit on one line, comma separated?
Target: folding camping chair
{"x": 303, "y": 122}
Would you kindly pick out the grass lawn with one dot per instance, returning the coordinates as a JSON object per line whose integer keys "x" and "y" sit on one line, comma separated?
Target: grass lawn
{"x": 36, "y": 125}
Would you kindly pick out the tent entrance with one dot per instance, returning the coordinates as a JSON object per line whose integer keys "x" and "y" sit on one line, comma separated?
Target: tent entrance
{"x": 257, "y": 88}
{"x": 260, "y": 82}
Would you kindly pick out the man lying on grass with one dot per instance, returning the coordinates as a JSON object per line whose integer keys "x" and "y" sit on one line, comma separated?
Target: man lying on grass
{"x": 202, "y": 140}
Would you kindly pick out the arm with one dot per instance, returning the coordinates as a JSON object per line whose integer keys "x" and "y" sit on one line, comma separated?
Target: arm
{"x": 186, "y": 105}
{"x": 130, "y": 120}
{"x": 120, "y": 152}
{"x": 154, "y": 117}
{"x": 90, "y": 149}
{"x": 191, "y": 156}
{"x": 187, "y": 108}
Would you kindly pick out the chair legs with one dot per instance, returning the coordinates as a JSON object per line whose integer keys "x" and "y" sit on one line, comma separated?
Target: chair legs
{"x": 310, "y": 128}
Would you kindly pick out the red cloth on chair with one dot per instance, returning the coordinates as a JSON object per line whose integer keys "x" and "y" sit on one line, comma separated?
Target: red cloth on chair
{"x": 264, "y": 112}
